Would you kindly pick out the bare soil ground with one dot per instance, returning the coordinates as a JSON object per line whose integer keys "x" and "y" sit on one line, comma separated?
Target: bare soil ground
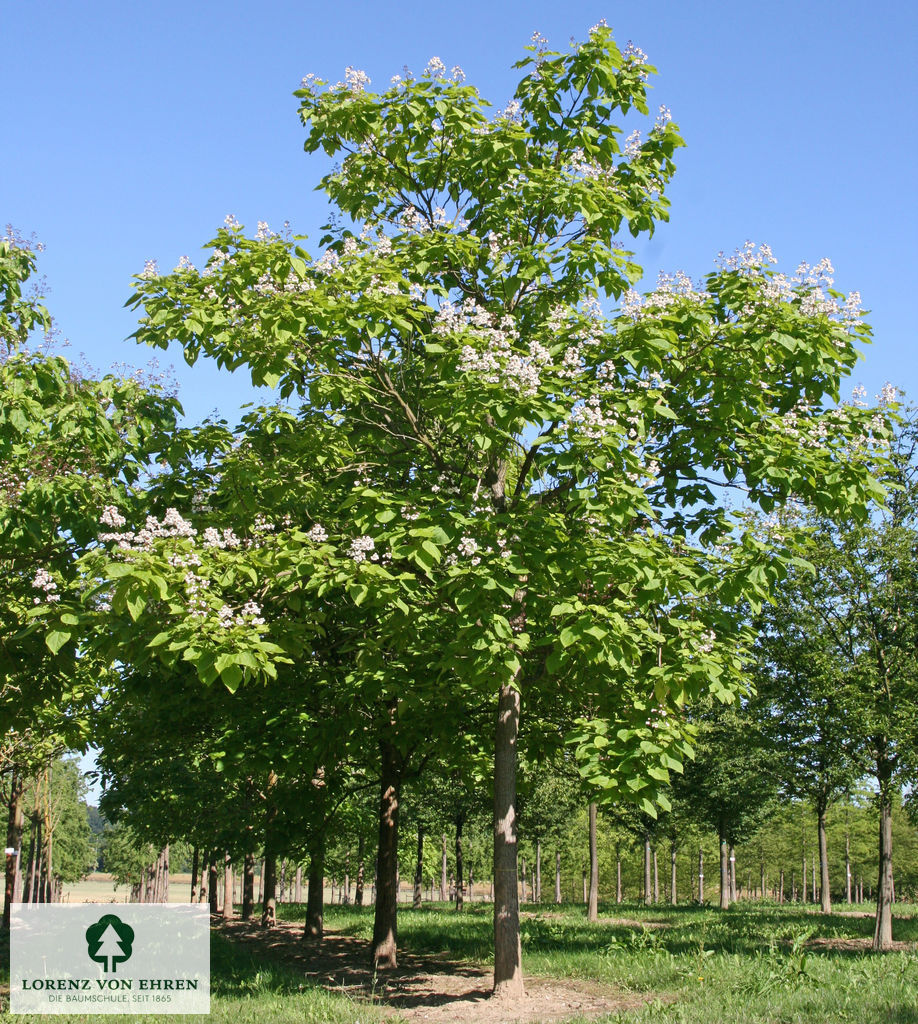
{"x": 424, "y": 988}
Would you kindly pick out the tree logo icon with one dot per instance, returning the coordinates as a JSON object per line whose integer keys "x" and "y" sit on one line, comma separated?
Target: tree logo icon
{"x": 109, "y": 942}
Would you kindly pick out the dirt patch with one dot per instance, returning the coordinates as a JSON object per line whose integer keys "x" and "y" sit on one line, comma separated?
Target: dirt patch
{"x": 424, "y": 988}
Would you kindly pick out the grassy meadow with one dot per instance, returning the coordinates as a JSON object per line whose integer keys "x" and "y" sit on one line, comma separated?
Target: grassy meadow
{"x": 756, "y": 963}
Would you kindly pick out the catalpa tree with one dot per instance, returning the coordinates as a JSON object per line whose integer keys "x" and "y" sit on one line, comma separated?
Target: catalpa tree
{"x": 526, "y": 491}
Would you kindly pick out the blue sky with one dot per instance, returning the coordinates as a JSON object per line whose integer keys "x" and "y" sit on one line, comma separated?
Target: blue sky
{"x": 133, "y": 130}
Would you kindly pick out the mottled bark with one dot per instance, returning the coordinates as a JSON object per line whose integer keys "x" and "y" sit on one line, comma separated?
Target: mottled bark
{"x": 825, "y": 890}
{"x": 358, "y": 891}
{"x": 593, "y": 904}
{"x": 227, "y": 887}
{"x": 269, "y": 888}
{"x": 385, "y": 921}
{"x": 460, "y": 877}
{"x": 444, "y": 884}
{"x": 14, "y": 826}
{"x": 248, "y": 887}
{"x": 419, "y": 871}
{"x": 508, "y": 969}
{"x": 882, "y": 935}
{"x": 315, "y": 891}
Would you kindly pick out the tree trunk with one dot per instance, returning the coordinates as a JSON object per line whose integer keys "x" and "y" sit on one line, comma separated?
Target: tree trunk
{"x": 227, "y": 887}
{"x": 648, "y": 896}
{"x": 212, "y": 882}
{"x": 825, "y": 891}
{"x": 672, "y": 874}
{"x": 315, "y": 890}
{"x": 557, "y": 876}
{"x": 508, "y": 967}
{"x": 731, "y": 863}
{"x": 419, "y": 871}
{"x": 248, "y": 886}
{"x": 700, "y": 874}
{"x": 358, "y": 891}
{"x": 656, "y": 878}
{"x": 593, "y": 907}
{"x": 13, "y": 842}
{"x": 724, "y": 874}
{"x": 444, "y": 885}
{"x": 195, "y": 867}
{"x": 538, "y": 872}
{"x": 847, "y": 865}
{"x": 385, "y": 922}
{"x": 298, "y": 885}
{"x": 882, "y": 936}
{"x": 269, "y": 887}
{"x": 618, "y": 873}
{"x": 460, "y": 866}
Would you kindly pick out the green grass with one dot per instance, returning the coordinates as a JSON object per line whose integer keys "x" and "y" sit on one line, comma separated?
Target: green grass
{"x": 697, "y": 965}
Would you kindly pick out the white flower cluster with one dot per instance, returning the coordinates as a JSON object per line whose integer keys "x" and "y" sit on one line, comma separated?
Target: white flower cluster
{"x": 317, "y": 534}
{"x": 889, "y": 393}
{"x": 355, "y": 80}
{"x": 588, "y": 419}
{"x": 43, "y": 580}
{"x": 212, "y": 538}
{"x": 633, "y": 145}
{"x": 467, "y": 546}
{"x": 249, "y": 613}
{"x": 435, "y": 68}
{"x": 12, "y": 485}
{"x": 671, "y": 289}
{"x": 360, "y": 548}
{"x": 185, "y": 264}
{"x": 150, "y": 270}
{"x": 171, "y": 525}
{"x": 809, "y": 284}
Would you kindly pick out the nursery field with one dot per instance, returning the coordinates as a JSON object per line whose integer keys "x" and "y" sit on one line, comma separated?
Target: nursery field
{"x": 756, "y": 963}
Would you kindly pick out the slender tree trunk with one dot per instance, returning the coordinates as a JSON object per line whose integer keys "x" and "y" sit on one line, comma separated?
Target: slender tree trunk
{"x": 656, "y": 878}
{"x": 593, "y": 907}
{"x": 298, "y": 885}
{"x": 419, "y": 870}
{"x": 538, "y": 872}
{"x": 14, "y": 828}
{"x": 460, "y": 866}
{"x": 227, "y": 887}
{"x": 508, "y": 967}
{"x": 672, "y": 874}
{"x": 444, "y": 884}
{"x": 724, "y": 873}
{"x": 847, "y": 862}
{"x": 269, "y": 886}
{"x": 648, "y": 895}
{"x": 557, "y": 876}
{"x": 731, "y": 863}
{"x": 618, "y": 873}
{"x": 358, "y": 891}
{"x": 385, "y": 923}
{"x": 212, "y": 882}
{"x": 261, "y": 882}
{"x": 195, "y": 867}
{"x": 314, "y": 928}
{"x": 825, "y": 891}
{"x": 700, "y": 873}
{"x": 248, "y": 886}
{"x": 882, "y": 936}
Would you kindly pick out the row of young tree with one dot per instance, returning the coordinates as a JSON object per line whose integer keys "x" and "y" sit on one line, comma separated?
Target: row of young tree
{"x": 487, "y": 525}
